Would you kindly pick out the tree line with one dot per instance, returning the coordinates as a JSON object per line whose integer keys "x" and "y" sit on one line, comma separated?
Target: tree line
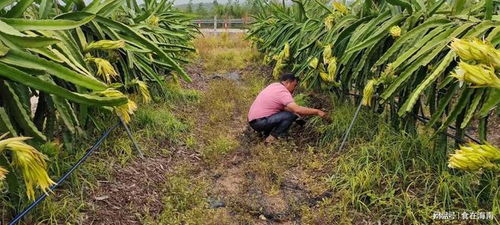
{"x": 231, "y": 9}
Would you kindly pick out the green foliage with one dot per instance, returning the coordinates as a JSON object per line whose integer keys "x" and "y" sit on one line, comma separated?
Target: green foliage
{"x": 364, "y": 128}
{"x": 301, "y": 99}
{"x": 388, "y": 174}
{"x": 64, "y": 64}
{"x": 410, "y": 71}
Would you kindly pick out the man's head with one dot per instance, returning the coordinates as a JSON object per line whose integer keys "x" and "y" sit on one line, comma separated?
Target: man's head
{"x": 290, "y": 81}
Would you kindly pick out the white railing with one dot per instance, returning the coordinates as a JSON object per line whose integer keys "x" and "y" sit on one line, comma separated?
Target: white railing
{"x": 224, "y": 23}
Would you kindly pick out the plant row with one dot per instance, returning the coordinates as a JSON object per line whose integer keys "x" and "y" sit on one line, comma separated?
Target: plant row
{"x": 63, "y": 64}
{"x": 435, "y": 61}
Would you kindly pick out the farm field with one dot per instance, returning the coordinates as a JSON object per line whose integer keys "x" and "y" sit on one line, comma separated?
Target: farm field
{"x": 411, "y": 134}
{"x": 203, "y": 168}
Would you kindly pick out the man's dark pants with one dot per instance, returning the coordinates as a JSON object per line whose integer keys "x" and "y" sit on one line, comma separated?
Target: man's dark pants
{"x": 277, "y": 124}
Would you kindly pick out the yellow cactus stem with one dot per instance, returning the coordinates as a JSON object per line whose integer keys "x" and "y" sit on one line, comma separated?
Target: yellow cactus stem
{"x": 389, "y": 69}
{"x": 143, "y": 90}
{"x": 332, "y": 68}
{"x": 465, "y": 50}
{"x": 278, "y": 68}
{"x": 266, "y": 60}
{"x": 104, "y": 69}
{"x": 124, "y": 111}
{"x": 3, "y": 172}
{"x": 281, "y": 56}
{"x": 476, "y": 50}
{"x": 395, "y": 31}
{"x": 272, "y": 21}
{"x": 256, "y": 39}
{"x": 388, "y": 74}
{"x": 479, "y": 75}
{"x": 368, "y": 92}
{"x": 110, "y": 92}
{"x": 313, "y": 63}
{"x": 324, "y": 76}
{"x": 105, "y": 45}
{"x": 475, "y": 156}
{"x": 153, "y": 21}
{"x": 286, "y": 51}
{"x": 327, "y": 53}
{"x": 329, "y": 21}
{"x": 339, "y": 6}
{"x": 30, "y": 162}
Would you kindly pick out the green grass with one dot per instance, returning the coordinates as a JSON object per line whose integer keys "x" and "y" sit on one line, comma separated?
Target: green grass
{"x": 219, "y": 147}
{"x": 158, "y": 122}
{"x": 184, "y": 201}
{"x": 341, "y": 115}
{"x": 389, "y": 175}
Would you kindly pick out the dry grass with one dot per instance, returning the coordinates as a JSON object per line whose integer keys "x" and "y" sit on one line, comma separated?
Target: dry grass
{"x": 224, "y": 52}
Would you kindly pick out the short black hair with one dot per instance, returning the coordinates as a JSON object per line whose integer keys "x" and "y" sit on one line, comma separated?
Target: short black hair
{"x": 289, "y": 77}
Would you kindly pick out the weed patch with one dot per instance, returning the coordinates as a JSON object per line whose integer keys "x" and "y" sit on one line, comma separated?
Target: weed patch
{"x": 388, "y": 177}
{"x": 161, "y": 123}
{"x": 186, "y": 202}
{"x": 219, "y": 147}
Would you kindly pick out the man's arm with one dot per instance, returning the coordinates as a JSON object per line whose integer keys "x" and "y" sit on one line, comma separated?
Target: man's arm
{"x": 293, "y": 107}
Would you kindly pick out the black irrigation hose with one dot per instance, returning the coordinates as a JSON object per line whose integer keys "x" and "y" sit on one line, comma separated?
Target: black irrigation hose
{"x": 66, "y": 175}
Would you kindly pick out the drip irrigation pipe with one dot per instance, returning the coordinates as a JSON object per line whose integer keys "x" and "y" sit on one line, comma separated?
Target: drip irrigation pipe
{"x": 66, "y": 175}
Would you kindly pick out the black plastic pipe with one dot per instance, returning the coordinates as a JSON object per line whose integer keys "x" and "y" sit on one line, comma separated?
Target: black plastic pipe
{"x": 66, "y": 175}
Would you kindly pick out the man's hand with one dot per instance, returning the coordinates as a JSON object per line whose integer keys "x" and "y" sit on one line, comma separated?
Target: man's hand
{"x": 321, "y": 114}
{"x": 325, "y": 116}
{"x": 293, "y": 107}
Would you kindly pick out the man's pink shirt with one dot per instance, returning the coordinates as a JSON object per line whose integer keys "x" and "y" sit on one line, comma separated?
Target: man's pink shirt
{"x": 271, "y": 100}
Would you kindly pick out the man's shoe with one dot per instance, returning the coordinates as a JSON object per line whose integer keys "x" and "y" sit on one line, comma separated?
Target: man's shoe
{"x": 300, "y": 122}
{"x": 269, "y": 140}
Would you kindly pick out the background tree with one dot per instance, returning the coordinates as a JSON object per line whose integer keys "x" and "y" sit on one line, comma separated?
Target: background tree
{"x": 217, "y": 10}
{"x": 201, "y": 11}
{"x": 189, "y": 8}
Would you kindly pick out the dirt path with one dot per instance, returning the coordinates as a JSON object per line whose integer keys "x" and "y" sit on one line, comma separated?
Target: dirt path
{"x": 226, "y": 177}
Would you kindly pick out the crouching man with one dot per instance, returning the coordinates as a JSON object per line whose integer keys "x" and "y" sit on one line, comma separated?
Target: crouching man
{"x": 274, "y": 110}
